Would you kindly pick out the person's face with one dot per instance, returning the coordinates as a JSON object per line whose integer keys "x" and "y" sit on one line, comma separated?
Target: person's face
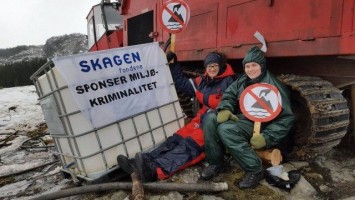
{"x": 212, "y": 69}
{"x": 253, "y": 70}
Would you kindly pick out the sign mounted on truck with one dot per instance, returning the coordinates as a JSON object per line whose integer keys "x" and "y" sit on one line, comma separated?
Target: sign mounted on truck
{"x": 175, "y": 16}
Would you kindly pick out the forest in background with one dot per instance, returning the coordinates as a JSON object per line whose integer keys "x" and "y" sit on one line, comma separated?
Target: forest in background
{"x": 19, "y": 73}
{"x": 17, "y": 64}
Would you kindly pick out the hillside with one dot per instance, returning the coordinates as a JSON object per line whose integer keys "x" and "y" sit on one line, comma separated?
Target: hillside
{"x": 54, "y": 46}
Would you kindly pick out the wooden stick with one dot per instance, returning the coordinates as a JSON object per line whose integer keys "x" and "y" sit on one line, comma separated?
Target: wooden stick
{"x": 272, "y": 156}
{"x": 137, "y": 187}
{"x": 256, "y": 130}
{"x": 172, "y": 43}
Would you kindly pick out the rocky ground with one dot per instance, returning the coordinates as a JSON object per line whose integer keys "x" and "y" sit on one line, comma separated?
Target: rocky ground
{"x": 331, "y": 176}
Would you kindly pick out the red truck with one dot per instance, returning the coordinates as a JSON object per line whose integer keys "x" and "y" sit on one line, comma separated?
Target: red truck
{"x": 311, "y": 46}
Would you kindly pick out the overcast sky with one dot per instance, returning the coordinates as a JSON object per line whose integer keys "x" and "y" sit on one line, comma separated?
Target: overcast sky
{"x": 32, "y": 22}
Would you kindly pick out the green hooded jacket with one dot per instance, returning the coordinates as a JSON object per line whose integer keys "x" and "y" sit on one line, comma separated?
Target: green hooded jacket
{"x": 273, "y": 131}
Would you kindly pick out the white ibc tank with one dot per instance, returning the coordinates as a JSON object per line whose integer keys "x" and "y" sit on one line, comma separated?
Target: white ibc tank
{"x": 90, "y": 153}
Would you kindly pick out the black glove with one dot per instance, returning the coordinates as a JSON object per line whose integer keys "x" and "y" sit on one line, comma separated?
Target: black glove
{"x": 171, "y": 57}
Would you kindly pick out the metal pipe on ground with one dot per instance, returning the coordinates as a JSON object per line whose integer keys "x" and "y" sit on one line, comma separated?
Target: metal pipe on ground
{"x": 157, "y": 186}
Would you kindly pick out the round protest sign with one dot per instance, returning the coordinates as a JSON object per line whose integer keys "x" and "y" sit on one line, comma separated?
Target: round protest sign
{"x": 175, "y": 16}
{"x": 260, "y": 102}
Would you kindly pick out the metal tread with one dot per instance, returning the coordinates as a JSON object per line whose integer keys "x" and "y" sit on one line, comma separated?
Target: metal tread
{"x": 326, "y": 105}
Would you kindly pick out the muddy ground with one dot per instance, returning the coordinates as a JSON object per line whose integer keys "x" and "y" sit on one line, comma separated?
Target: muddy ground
{"x": 331, "y": 176}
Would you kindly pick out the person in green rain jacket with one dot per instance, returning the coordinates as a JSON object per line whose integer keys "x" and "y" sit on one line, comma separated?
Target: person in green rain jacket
{"x": 230, "y": 130}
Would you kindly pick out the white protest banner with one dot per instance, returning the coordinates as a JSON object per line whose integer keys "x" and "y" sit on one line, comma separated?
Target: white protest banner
{"x": 115, "y": 84}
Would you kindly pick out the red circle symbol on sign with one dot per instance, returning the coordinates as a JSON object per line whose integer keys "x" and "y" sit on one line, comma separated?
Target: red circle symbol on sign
{"x": 260, "y": 102}
{"x": 175, "y": 15}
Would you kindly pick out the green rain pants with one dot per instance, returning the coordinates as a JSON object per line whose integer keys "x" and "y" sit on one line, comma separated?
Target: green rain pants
{"x": 233, "y": 137}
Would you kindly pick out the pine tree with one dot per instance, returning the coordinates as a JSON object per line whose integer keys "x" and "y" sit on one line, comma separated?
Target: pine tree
{"x": 19, "y": 73}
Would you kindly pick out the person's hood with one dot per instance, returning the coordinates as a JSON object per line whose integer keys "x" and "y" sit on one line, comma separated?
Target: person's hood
{"x": 254, "y": 54}
{"x": 215, "y": 57}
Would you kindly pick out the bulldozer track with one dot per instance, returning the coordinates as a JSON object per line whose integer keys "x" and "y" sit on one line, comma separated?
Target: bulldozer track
{"x": 322, "y": 115}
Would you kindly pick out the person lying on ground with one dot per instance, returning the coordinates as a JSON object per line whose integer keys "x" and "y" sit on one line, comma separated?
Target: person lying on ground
{"x": 185, "y": 147}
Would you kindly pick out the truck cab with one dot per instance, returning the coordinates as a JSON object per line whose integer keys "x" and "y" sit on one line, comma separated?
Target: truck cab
{"x": 104, "y": 26}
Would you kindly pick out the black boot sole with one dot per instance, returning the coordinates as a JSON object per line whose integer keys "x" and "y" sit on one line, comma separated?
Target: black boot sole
{"x": 124, "y": 164}
{"x": 256, "y": 182}
{"x": 139, "y": 164}
{"x": 208, "y": 176}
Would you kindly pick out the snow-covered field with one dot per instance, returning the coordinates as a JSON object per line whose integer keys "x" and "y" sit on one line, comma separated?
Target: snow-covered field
{"x": 21, "y": 113}
{"x": 19, "y": 109}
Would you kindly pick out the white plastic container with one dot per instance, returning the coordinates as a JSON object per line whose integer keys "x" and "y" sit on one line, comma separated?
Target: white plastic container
{"x": 276, "y": 170}
{"x": 89, "y": 153}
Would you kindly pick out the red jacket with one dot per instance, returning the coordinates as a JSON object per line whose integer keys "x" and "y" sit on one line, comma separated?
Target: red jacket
{"x": 186, "y": 146}
{"x": 208, "y": 93}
